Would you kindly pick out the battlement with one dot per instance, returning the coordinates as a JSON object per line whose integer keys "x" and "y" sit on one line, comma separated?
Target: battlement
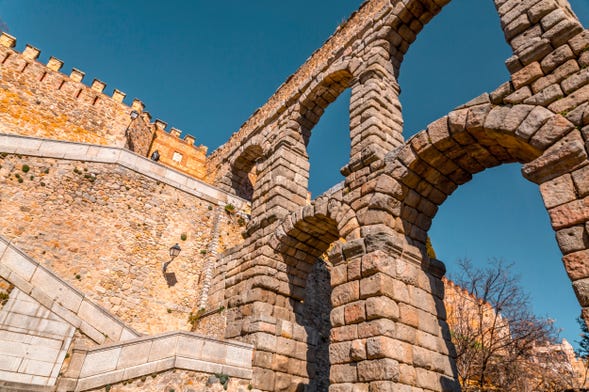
{"x": 31, "y": 53}
{"x": 62, "y": 107}
{"x": 181, "y": 154}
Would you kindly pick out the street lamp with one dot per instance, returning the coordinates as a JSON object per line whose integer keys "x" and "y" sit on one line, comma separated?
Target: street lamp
{"x": 134, "y": 114}
{"x": 174, "y": 252}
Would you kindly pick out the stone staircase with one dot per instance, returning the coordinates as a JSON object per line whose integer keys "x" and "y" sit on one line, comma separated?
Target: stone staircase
{"x": 38, "y": 322}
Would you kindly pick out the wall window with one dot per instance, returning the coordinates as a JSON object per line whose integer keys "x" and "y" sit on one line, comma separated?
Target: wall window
{"x": 177, "y": 157}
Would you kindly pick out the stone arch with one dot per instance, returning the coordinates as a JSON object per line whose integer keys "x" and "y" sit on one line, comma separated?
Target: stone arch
{"x": 300, "y": 241}
{"x": 531, "y": 28}
{"x": 243, "y": 170}
{"x": 436, "y": 161}
{"x": 323, "y": 91}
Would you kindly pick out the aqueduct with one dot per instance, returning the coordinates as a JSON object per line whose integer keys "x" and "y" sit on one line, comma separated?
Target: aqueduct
{"x": 337, "y": 293}
{"x": 387, "y": 323}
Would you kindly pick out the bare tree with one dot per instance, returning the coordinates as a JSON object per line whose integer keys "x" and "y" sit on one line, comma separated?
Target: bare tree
{"x": 500, "y": 343}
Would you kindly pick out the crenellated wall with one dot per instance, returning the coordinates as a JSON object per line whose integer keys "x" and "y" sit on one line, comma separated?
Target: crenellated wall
{"x": 37, "y": 100}
{"x": 180, "y": 154}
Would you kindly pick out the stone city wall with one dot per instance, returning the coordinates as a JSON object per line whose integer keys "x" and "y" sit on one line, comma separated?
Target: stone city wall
{"x": 179, "y": 154}
{"x": 37, "y": 100}
{"x": 106, "y": 230}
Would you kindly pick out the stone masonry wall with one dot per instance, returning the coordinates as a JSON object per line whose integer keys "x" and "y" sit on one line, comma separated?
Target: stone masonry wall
{"x": 106, "y": 230}
{"x": 180, "y": 154}
{"x": 180, "y": 381}
{"x": 38, "y": 100}
{"x": 290, "y": 90}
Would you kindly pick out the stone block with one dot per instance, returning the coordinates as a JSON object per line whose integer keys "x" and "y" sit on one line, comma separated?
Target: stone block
{"x": 377, "y": 285}
{"x": 581, "y": 181}
{"x": 100, "y": 380}
{"x": 163, "y": 364}
{"x": 344, "y": 333}
{"x": 376, "y": 262}
{"x": 62, "y": 293}
{"x": 562, "y": 32}
{"x": 237, "y": 372}
{"x": 545, "y": 97}
{"x": 556, "y": 58}
{"x": 379, "y": 327}
{"x": 558, "y": 191}
{"x": 540, "y": 9}
{"x": 340, "y": 352}
{"x": 17, "y": 263}
{"x": 576, "y": 81}
{"x": 138, "y": 371}
{"x": 198, "y": 365}
{"x": 571, "y": 101}
{"x": 10, "y": 363}
{"x": 381, "y": 307}
{"x": 536, "y": 50}
{"x": 92, "y": 332}
{"x": 263, "y": 379}
{"x": 427, "y": 379}
{"x": 100, "y": 320}
{"x": 387, "y": 347}
{"x": 580, "y": 42}
{"x": 36, "y": 368}
{"x": 379, "y": 369}
{"x": 570, "y": 214}
{"x": 354, "y": 312}
{"x": 577, "y": 265}
{"x": 518, "y": 96}
{"x": 68, "y": 316}
{"x": 343, "y": 373}
{"x": 563, "y": 157}
{"x": 527, "y": 75}
{"x": 100, "y": 361}
{"x": 134, "y": 354}
{"x": 16, "y": 377}
{"x": 105, "y": 154}
{"x": 345, "y": 293}
{"x": 572, "y": 239}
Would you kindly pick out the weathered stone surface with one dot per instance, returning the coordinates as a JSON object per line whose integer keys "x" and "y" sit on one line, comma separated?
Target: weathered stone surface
{"x": 556, "y": 58}
{"x": 379, "y": 369}
{"x": 564, "y": 156}
{"x": 577, "y": 265}
{"x": 572, "y": 239}
{"x": 558, "y": 191}
{"x": 581, "y": 288}
{"x": 570, "y": 214}
{"x": 527, "y": 75}
{"x": 535, "y": 119}
{"x": 581, "y": 180}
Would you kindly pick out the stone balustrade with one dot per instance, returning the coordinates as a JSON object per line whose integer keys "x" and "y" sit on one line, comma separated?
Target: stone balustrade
{"x": 97, "y": 367}
{"x": 59, "y": 297}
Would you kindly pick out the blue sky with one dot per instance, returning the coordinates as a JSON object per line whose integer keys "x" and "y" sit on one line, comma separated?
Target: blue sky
{"x": 204, "y": 67}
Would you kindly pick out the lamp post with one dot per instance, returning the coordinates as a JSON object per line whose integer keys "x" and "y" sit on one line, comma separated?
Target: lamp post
{"x": 174, "y": 252}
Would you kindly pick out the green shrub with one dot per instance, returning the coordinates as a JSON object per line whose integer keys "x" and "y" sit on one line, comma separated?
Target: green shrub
{"x": 25, "y": 168}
